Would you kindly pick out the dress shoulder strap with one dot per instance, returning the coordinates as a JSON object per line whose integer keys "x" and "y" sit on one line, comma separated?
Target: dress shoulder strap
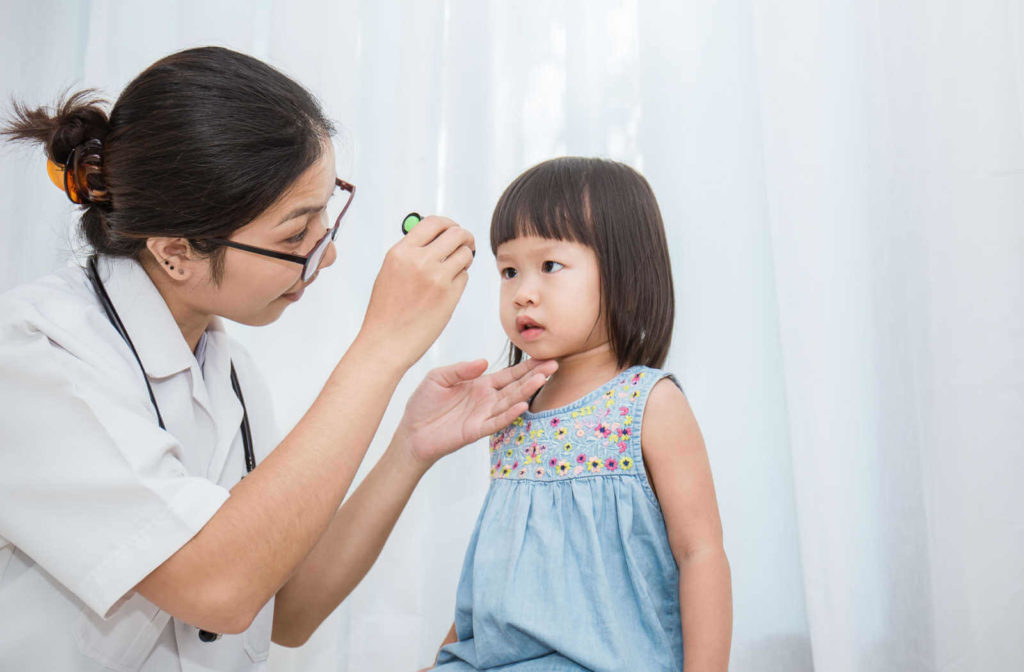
{"x": 640, "y": 384}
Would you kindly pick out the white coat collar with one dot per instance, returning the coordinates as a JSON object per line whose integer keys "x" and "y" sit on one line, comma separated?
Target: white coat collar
{"x": 164, "y": 351}
{"x": 156, "y": 336}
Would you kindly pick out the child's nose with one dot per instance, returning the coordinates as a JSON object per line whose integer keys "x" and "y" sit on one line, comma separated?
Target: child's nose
{"x": 526, "y": 294}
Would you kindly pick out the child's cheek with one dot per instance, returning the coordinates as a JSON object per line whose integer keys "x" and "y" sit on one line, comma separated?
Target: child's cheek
{"x": 508, "y": 325}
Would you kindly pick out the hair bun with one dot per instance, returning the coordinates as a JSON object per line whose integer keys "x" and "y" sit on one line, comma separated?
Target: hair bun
{"x": 73, "y": 121}
{"x": 72, "y": 133}
{"x": 78, "y": 120}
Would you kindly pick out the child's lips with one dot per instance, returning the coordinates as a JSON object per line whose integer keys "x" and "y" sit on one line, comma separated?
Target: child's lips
{"x": 528, "y": 328}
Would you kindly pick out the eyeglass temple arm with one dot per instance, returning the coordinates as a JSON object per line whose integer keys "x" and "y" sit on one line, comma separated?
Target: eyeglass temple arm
{"x": 259, "y": 250}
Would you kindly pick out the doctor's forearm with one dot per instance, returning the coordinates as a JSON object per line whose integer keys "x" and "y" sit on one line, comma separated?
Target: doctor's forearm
{"x": 222, "y": 577}
{"x": 348, "y": 548}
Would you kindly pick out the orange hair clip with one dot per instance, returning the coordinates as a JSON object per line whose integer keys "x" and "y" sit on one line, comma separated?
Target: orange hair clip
{"x": 84, "y": 161}
{"x": 59, "y": 177}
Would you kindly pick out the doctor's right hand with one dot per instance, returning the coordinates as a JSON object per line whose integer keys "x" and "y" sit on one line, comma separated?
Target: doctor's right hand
{"x": 418, "y": 286}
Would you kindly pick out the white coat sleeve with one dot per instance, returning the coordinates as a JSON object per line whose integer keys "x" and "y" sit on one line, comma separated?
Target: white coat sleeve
{"x": 90, "y": 487}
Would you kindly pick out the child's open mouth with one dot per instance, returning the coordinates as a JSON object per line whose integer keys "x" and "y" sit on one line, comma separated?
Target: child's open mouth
{"x": 528, "y": 328}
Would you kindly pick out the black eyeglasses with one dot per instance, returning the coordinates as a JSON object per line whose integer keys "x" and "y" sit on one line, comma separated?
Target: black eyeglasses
{"x": 311, "y": 262}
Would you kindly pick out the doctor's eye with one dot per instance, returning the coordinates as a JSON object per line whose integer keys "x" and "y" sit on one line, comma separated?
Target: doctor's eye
{"x": 508, "y": 272}
{"x": 551, "y": 266}
{"x": 298, "y": 237}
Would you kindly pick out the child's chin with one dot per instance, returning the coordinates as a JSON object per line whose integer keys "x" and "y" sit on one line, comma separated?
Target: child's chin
{"x": 533, "y": 352}
{"x": 527, "y": 349}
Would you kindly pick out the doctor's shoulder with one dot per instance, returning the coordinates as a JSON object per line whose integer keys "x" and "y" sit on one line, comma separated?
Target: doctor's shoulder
{"x": 58, "y": 312}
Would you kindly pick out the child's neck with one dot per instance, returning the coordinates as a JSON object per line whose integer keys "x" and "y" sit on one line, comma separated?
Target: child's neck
{"x": 577, "y": 375}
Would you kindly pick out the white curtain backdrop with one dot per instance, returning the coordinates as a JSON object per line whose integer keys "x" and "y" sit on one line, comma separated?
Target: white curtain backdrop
{"x": 842, "y": 188}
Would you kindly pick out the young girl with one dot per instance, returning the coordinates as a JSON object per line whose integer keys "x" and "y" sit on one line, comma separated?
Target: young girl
{"x": 599, "y": 546}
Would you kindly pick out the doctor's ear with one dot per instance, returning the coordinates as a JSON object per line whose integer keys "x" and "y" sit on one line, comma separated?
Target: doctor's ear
{"x": 174, "y": 256}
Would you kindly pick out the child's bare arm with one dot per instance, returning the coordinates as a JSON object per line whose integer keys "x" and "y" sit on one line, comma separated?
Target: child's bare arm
{"x": 450, "y": 638}
{"x": 677, "y": 461}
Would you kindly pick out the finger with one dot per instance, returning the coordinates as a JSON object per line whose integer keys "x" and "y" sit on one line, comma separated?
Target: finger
{"x": 505, "y": 377}
{"x": 519, "y": 391}
{"x": 507, "y": 399}
{"x": 428, "y": 229}
{"x": 504, "y": 419}
{"x": 459, "y": 372}
{"x": 449, "y": 241}
{"x": 459, "y": 261}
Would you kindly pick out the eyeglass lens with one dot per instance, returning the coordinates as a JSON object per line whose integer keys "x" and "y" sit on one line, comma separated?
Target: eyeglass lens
{"x": 315, "y": 257}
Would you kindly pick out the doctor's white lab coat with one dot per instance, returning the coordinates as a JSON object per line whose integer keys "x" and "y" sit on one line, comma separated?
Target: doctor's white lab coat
{"x": 93, "y": 494}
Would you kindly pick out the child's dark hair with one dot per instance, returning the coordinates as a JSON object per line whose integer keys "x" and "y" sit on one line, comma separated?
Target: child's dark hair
{"x": 196, "y": 146}
{"x": 610, "y": 208}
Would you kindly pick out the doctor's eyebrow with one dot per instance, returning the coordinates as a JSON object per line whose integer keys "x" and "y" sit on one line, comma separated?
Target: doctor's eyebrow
{"x": 298, "y": 212}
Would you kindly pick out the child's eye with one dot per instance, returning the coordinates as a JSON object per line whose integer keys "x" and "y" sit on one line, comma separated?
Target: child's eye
{"x": 508, "y": 272}
{"x": 551, "y": 266}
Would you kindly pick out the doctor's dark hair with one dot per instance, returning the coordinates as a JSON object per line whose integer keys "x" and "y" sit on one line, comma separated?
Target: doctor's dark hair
{"x": 610, "y": 208}
{"x": 196, "y": 146}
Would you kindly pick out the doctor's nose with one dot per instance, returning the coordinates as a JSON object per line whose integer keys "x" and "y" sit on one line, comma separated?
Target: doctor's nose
{"x": 330, "y": 256}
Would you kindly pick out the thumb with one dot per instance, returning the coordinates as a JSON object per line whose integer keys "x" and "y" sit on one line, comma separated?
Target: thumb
{"x": 460, "y": 372}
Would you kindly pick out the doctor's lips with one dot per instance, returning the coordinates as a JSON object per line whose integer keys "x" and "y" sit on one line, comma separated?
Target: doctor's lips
{"x": 528, "y": 328}
{"x": 297, "y": 294}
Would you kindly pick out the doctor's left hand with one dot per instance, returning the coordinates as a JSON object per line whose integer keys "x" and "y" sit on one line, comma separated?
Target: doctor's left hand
{"x": 456, "y": 405}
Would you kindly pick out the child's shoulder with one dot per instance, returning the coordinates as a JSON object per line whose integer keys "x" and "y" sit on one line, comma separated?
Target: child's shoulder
{"x": 659, "y": 395}
{"x": 667, "y": 415}
{"x": 657, "y": 383}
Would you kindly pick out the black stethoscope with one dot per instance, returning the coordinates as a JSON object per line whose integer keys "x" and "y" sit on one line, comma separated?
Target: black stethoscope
{"x": 115, "y": 319}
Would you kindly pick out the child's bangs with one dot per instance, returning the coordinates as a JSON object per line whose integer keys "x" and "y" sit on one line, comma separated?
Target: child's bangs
{"x": 545, "y": 203}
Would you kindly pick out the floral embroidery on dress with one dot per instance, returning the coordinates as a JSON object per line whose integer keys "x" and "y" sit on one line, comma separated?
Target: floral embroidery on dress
{"x": 590, "y": 437}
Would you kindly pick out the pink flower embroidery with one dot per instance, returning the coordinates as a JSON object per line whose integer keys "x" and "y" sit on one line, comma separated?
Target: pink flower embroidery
{"x": 611, "y": 463}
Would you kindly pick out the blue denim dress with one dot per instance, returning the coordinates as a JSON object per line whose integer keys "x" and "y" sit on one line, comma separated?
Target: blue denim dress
{"x": 569, "y": 567}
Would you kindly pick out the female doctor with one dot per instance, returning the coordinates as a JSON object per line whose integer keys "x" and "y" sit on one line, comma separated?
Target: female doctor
{"x": 129, "y": 539}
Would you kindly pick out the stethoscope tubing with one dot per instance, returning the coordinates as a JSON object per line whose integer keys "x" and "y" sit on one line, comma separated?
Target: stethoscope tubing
{"x": 108, "y": 307}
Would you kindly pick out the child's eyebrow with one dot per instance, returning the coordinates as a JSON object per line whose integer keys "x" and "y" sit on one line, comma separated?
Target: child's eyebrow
{"x": 539, "y": 250}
